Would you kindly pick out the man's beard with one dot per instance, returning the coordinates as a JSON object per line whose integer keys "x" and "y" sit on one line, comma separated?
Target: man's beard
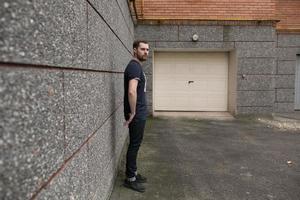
{"x": 142, "y": 58}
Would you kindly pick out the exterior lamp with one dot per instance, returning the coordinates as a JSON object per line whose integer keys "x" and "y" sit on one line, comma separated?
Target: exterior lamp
{"x": 195, "y": 38}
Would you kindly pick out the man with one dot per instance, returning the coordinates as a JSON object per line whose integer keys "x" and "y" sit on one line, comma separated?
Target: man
{"x": 135, "y": 112}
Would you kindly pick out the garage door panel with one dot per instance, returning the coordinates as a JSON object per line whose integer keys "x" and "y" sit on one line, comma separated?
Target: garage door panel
{"x": 164, "y": 69}
{"x": 179, "y": 68}
{"x": 196, "y": 70}
{"x": 209, "y": 85}
{"x": 169, "y": 103}
{"x": 169, "y": 86}
{"x": 170, "y": 78}
{"x": 218, "y": 85}
{"x": 171, "y": 95}
{"x": 190, "y": 81}
{"x": 198, "y": 101}
{"x": 199, "y": 85}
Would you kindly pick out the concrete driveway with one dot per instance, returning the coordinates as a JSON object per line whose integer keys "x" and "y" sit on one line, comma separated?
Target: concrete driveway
{"x": 241, "y": 159}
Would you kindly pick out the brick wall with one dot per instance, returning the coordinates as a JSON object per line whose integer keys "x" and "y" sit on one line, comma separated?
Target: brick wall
{"x": 288, "y": 47}
{"x": 288, "y": 11}
{"x": 207, "y": 9}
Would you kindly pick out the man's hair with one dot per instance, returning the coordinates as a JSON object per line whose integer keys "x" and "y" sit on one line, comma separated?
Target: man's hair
{"x": 136, "y": 43}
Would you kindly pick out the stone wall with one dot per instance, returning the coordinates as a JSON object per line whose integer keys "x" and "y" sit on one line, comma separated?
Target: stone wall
{"x": 288, "y": 46}
{"x": 254, "y": 47}
{"x": 61, "y": 94}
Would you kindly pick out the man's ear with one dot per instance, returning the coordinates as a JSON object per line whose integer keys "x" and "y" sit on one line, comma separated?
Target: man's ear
{"x": 134, "y": 51}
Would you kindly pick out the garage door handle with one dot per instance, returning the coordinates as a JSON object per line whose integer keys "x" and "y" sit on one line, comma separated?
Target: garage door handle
{"x": 190, "y": 82}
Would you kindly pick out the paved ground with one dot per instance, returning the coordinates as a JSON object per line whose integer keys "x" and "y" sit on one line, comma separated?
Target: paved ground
{"x": 216, "y": 160}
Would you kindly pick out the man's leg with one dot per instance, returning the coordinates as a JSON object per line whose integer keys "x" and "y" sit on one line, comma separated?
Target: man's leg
{"x": 136, "y": 133}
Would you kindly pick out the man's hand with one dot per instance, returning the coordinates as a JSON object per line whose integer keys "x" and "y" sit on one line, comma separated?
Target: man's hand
{"x": 131, "y": 116}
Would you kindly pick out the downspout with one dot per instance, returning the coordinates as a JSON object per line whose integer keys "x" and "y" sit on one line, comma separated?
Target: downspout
{"x": 142, "y": 9}
{"x": 133, "y": 4}
{"x": 135, "y": 10}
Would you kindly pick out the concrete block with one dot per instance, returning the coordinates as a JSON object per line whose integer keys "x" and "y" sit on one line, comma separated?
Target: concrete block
{"x": 285, "y": 81}
{"x": 149, "y": 108}
{"x": 104, "y": 150}
{"x": 149, "y": 83}
{"x": 97, "y": 159}
{"x": 254, "y": 110}
{"x": 286, "y": 67}
{"x": 288, "y": 40}
{"x": 31, "y": 125}
{"x": 249, "y": 33}
{"x": 257, "y": 66}
{"x": 121, "y": 11}
{"x": 152, "y": 46}
{"x": 94, "y": 85}
{"x": 205, "y": 46}
{"x": 113, "y": 15}
{"x": 149, "y": 95}
{"x": 105, "y": 51}
{"x": 72, "y": 181}
{"x": 90, "y": 113}
{"x": 117, "y": 89}
{"x": 157, "y": 32}
{"x": 256, "y": 82}
{"x": 148, "y": 67}
{"x": 105, "y": 186}
{"x": 256, "y": 49}
{"x": 99, "y": 43}
{"x": 120, "y": 56}
{"x": 78, "y": 86}
{"x": 205, "y": 33}
{"x": 285, "y": 95}
{"x": 120, "y": 132}
{"x": 284, "y": 107}
{"x": 43, "y": 32}
{"x": 90, "y": 98}
{"x": 109, "y": 173}
{"x": 287, "y": 53}
{"x": 255, "y": 98}
{"x": 127, "y": 16}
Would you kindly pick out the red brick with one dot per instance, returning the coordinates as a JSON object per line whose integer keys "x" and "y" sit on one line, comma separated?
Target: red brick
{"x": 285, "y": 10}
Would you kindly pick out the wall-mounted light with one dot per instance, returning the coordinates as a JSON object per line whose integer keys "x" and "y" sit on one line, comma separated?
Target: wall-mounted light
{"x": 195, "y": 38}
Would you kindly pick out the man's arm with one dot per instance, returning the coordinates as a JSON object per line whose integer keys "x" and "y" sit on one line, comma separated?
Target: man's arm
{"x": 132, "y": 98}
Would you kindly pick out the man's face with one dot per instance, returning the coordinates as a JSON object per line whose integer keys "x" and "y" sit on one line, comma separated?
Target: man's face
{"x": 142, "y": 52}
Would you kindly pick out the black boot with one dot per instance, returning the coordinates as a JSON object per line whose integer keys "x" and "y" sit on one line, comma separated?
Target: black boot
{"x": 134, "y": 185}
{"x": 140, "y": 178}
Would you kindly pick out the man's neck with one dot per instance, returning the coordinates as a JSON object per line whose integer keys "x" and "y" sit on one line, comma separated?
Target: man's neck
{"x": 135, "y": 58}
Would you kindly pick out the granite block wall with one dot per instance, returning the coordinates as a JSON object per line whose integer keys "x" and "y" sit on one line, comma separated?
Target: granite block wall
{"x": 254, "y": 47}
{"x": 288, "y": 47}
{"x": 61, "y": 94}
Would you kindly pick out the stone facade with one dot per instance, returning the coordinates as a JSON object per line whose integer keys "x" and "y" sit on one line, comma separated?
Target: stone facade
{"x": 61, "y": 89}
{"x": 263, "y": 81}
{"x": 288, "y": 46}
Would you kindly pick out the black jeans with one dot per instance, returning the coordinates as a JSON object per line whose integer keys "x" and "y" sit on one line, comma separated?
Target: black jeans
{"x": 136, "y": 133}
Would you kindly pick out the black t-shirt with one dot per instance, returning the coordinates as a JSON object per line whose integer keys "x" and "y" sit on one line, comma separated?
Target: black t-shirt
{"x": 134, "y": 71}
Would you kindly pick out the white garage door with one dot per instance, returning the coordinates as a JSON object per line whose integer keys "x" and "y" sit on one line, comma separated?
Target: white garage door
{"x": 190, "y": 81}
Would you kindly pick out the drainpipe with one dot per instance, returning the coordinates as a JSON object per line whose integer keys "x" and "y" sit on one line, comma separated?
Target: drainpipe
{"x": 142, "y": 10}
{"x": 135, "y": 10}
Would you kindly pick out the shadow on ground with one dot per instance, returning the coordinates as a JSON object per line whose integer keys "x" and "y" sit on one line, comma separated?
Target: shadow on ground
{"x": 216, "y": 160}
